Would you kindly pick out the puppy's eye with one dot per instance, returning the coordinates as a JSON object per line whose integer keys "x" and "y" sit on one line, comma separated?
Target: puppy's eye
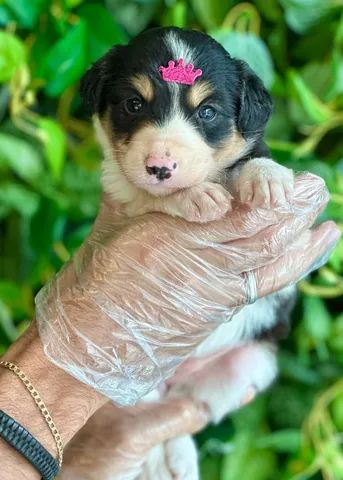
{"x": 206, "y": 113}
{"x": 134, "y": 105}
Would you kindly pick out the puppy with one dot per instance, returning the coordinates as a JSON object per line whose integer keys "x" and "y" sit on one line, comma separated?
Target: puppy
{"x": 181, "y": 124}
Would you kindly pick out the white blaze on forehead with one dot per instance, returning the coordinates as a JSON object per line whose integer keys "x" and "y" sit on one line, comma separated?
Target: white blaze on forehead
{"x": 176, "y": 110}
{"x": 177, "y": 127}
{"x": 178, "y": 47}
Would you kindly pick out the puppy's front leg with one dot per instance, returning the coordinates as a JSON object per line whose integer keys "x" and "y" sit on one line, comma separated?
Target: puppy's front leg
{"x": 231, "y": 380}
{"x": 201, "y": 203}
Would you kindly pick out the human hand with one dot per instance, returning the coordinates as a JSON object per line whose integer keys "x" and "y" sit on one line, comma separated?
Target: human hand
{"x": 141, "y": 294}
{"x": 115, "y": 442}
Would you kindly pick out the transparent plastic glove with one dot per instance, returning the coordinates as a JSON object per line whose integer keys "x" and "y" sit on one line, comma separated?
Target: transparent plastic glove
{"x": 141, "y": 294}
{"x": 114, "y": 443}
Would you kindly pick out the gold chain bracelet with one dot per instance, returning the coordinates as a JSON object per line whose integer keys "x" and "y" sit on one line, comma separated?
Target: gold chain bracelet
{"x": 40, "y": 404}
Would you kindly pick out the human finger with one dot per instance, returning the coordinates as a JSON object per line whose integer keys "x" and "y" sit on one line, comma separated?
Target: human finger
{"x": 310, "y": 252}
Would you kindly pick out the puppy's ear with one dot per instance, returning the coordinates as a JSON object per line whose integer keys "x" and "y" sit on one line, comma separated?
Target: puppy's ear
{"x": 94, "y": 80}
{"x": 255, "y": 105}
{"x": 91, "y": 85}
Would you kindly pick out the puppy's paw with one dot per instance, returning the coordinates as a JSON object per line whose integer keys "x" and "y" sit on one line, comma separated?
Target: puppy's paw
{"x": 156, "y": 466}
{"x": 182, "y": 457}
{"x": 204, "y": 203}
{"x": 173, "y": 460}
{"x": 264, "y": 183}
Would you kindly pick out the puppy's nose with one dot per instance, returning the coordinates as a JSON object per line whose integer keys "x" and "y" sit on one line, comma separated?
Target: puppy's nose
{"x": 161, "y": 172}
{"x": 160, "y": 165}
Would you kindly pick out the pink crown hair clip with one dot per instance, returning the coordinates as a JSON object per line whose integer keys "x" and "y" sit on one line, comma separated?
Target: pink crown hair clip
{"x": 179, "y": 72}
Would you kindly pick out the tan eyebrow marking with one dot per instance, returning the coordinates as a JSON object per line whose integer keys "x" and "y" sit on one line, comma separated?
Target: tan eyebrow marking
{"x": 233, "y": 147}
{"x": 144, "y": 86}
{"x": 198, "y": 92}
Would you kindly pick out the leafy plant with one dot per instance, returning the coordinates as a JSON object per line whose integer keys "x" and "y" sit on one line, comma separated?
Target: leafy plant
{"x": 49, "y": 191}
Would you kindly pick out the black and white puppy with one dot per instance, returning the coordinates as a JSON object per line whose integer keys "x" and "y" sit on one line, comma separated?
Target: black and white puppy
{"x": 185, "y": 149}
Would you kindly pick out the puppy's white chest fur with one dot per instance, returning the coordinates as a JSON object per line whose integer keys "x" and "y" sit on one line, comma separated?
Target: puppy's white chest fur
{"x": 248, "y": 322}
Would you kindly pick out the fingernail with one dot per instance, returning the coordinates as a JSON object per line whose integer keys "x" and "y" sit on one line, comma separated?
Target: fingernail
{"x": 334, "y": 235}
{"x": 323, "y": 259}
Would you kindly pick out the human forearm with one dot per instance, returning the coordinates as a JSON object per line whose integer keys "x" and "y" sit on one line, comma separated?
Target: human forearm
{"x": 70, "y": 402}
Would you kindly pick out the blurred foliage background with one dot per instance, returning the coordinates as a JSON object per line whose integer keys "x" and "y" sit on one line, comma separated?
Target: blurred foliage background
{"x": 49, "y": 191}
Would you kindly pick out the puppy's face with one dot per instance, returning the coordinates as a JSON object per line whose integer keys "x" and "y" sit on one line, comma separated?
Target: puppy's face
{"x": 164, "y": 135}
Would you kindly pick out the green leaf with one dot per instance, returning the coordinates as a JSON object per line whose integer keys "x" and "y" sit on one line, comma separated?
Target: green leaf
{"x": 316, "y": 111}
{"x": 82, "y": 189}
{"x": 311, "y": 164}
{"x": 103, "y": 31}
{"x": 292, "y": 368}
{"x": 317, "y": 319}
{"x": 6, "y": 322}
{"x": 252, "y": 415}
{"x": 5, "y": 16}
{"x": 19, "y": 198}
{"x": 337, "y": 411}
{"x": 12, "y": 55}
{"x": 176, "y": 15}
{"x": 337, "y": 72}
{"x": 279, "y": 127}
{"x": 234, "y": 462}
{"x": 336, "y": 259}
{"x": 134, "y": 15}
{"x": 73, "y": 3}
{"x": 54, "y": 142}
{"x": 26, "y": 14}
{"x": 21, "y": 157}
{"x": 50, "y": 215}
{"x": 319, "y": 41}
{"x": 289, "y": 404}
{"x": 301, "y": 15}
{"x": 65, "y": 61}
{"x": 250, "y": 48}
{"x": 17, "y": 297}
{"x": 270, "y": 9}
{"x": 211, "y": 12}
{"x": 257, "y": 465}
{"x": 210, "y": 468}
{"x": 284, "y": 441}
{"x": 319, "y": 76}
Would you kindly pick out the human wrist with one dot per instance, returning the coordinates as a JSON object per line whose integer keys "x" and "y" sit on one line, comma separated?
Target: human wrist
{"x": 70, "y": 403}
